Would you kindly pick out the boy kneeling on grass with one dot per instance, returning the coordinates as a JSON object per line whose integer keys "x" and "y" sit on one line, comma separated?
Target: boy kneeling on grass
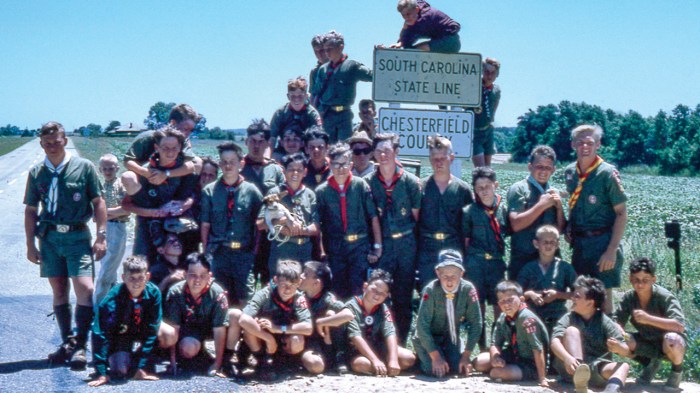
{"x": 582, "y": 339}
{"x": 278, "y": 317}
{"x": 371, "y": 330}
{"x": 126, "y": 325}
{"x": 656, "y": 314}
{"x": 519, "y": 343}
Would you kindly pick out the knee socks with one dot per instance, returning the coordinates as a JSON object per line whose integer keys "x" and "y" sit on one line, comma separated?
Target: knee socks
{"x": 64, "y": 319}
{"x": 83, "y": 322}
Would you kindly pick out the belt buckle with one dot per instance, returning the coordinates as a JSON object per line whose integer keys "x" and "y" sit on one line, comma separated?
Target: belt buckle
{"x": 299, "y": 241}
{"x": 338, "y": 108}
{"x": 488, "y": 256}
{"x": 62, "y": 228}
{"x": 397, "y": 235}
{"x": 440, "y": 236}
{"x": 234, "y": 245}
{"x": 351, "y": 238}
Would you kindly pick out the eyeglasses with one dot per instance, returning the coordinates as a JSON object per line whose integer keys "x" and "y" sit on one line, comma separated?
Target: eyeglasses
{"x": 340, "y": 165}
{"x": 365, "y": 151}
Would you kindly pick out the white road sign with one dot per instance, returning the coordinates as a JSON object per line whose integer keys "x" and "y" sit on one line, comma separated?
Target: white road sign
{"x": 402, "y": 75}
{"x": 415, "y": 126}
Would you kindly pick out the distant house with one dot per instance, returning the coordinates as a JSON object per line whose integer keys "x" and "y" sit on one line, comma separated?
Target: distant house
{"x": 128, "y": 129}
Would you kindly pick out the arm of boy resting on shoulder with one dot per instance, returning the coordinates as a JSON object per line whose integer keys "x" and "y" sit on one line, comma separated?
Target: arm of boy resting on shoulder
{"x": 341, "y": 318}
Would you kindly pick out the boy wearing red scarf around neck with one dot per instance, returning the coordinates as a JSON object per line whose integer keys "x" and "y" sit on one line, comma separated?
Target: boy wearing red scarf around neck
{"x": 347, "y": 212}
{"x": 519, "y": 343}
{"x": 597, "y": 211}
{"x": 152, "y": 203}
{"x": 483, "y": 231}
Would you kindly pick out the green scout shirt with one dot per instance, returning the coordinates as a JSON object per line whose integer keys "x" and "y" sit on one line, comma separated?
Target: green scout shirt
{"x": 360, "y": 209}
{"x": 265, "y": 177}
{"x": 267, "y": 303}
{"x": 373, "y": 326}
{"x": 476, "y": 226}
{"x": 315, "y": 177}
{"x": 443, "y": 212}
{"x": 143, "y": 147}
{"x": 325, "y": 302}
{"x": 530, "y": 335}
{"x": 285, "y": 117}
{"x": 662, "y": 304}
{"x": 341, "y": 83}
{"x": 489, "y": 103}
{"x": 78, "y": 185}
{"x": 119, "y": 317}
{"x": 203, "y": 315}
{"x": 559, "y": 276}
{"x": 153, "y": 196}
{"x": 301, "y": 204}
{"x": 432, "y": 315}
{"x": 601, "y": 192}
{"x": 240, "y": 227}
{"x": 594, "y": 333}
{"x": 395, "y": 208}
{"x": 521, "y": 197}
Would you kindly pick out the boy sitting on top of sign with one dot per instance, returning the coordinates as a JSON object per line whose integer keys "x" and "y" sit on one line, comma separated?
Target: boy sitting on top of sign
{"x": 422, "y": 21}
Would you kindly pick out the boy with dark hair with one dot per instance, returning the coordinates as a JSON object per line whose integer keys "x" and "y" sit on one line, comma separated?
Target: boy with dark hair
{"x": 290, "y": 215}
{"x": 368, "y": 118}
{"x": 582, "y": 339}
{"x": 447, "y": 303}
{"x": 195, "y": 310}
{"x": 371, "y": 330}
{"x": 168, "y": 268}
{"x": 519, "y": 343}
{"x": 483, "y": 142}
{"x": 532, "y": 202}
{"x": 296, "y": 113}
{"x": 230, "y": 207}
{"x": 126, "y": 325}
{"x": 483, "y": 231}
{"x": 321, "y": 59}
{"x": 548, "y": 281}
{"x": 291, "y": 142}
{"x": 316, "y": 146}
{"x": 396, "y": 194}
{"x": 656, "y": 314}
{"x": 278, "y": 316}
{"x": 423, "y": 21}
{"x": 347, "y": 212}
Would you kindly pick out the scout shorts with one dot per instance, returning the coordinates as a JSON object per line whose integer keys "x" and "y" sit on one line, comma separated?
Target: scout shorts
{"x": 66, "y": 254}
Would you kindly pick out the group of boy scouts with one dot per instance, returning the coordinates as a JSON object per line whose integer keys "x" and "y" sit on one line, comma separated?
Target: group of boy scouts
{"x": 310, "y": 189}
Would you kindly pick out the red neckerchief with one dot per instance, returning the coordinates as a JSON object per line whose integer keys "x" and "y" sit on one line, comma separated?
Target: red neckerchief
{"x": 136, "y": 316}
{"x": 390, "y": 188}
{"x": 326, "y": 167}
{"x": 249, "y": 162}
{"x": 333, "y": 66}
{"x": 343, "y": 201}
{"x": 291, "y": 191}
{"x": 230, "y": 189}
{"x": 154, "y": 162}
{"x": 493, "y": 220}
{"x": 513, "y": 329}
{"x": 191, "y": 302}
{"x": 362, "y": 306}
{"x": 287, "y": 307}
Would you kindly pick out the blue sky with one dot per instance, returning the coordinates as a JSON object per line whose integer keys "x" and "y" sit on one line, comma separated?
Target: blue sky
{"x": 83, "y": 62}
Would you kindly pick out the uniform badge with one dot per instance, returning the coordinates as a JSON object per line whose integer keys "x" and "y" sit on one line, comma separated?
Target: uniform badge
{"x": 76, "y": 197}
{"x": 379, "y": 209}
{"x": 123, "y": 328}
{"x": 152, "y": 193}
{"x": 301, "y": 302}
{"x": 569, "y": 176}
{"x": 369, "y": 320}
{"x": 222, "y": 299}
{"x": 530, "y": 325}
{"x": 387, "y": 316}
{"x": 592, "y": 199}
{"x": 403, "y": 211}
{"x": 616, "y": 177}
{"x": 474, "y": 295}
{"x": 318, "y": 178}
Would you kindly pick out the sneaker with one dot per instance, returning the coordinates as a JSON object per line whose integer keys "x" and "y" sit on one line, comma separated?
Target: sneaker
{"x": 581, "y": 377}
{"x": 78, "y": 362}
{"x": 341, "y": 368}
{"x": 61, "y": 355}
{"x": 649, "y": 372}
{"x": 674, "y": 380}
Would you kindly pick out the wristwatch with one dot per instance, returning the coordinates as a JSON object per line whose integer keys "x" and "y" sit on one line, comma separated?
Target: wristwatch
{"x": 167, "y": 173}
{"x": 283, "y": 328}
{"x": 102, "y": 232}
{"x": 377, "y": 246}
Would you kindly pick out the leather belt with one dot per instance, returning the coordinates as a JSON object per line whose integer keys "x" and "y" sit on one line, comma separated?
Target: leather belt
{"x": 399, "y": 235}
{"x": 592, "y": 232}
{"x": 61, "y": 228}
{"x": 299, "y": 240}
{"x": 355, "y": 237}
{"x": 486, "y": 255}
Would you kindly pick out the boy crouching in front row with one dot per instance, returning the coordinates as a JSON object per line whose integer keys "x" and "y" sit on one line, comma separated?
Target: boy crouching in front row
{"x": 519, "y": 343}
{"x": 126, "y": 325}
{"x": 371, "y": 330}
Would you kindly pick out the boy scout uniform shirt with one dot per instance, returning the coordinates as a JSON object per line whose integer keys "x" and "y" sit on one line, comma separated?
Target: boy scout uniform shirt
{"x": 396, "y": 211}
{"x": 120, "y": 320}
{"x": 594, "y": 333}
{"x": 432, "y": 315}
{"x": 320, "y": 305}
{"x": 315, "y": 177}
{"x": 360, "y": 209}
{"x": 268, "y": 175}
{"x": 240, "y": 227}
{"x": 374, "y": 326}
{"x": 529, "y": 333}
{"x": 286, "y": 116}
{"x": 267, "y": 303}
{"x": 476, "y": 226}
{"x": 560, "y": 276}
{"x": 489, "y": 104}
{"x": 662, "y": 304}
{"x": 442, "y": 213}
{"x": 77, "y": 186}
{"x": 301, "y": 203}
{"x": 341, "y": 83}
{"x": 152, "y": 196}
{"x": 142, "y": 148}
{"x": 601, "y": 192}
{"x": 521, "y": 197}
{"x": 202, "y": 315}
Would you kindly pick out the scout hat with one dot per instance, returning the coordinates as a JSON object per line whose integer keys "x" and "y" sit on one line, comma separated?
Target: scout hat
{"x": 359, "y": 137}
{"x": 449, "y": 257}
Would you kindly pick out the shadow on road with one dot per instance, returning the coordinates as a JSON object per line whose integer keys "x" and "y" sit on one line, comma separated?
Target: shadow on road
{"x": 13, "y": 367}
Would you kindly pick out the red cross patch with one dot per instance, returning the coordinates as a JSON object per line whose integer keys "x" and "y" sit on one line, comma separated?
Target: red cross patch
{"x": 426, "y": 296}
{"x": 301, "y": 302}
{"x": 616, "y": 177}
{"x": 530, "y": 325}
{"x": 387, "y": 315}
{"x": 474, "y": 295}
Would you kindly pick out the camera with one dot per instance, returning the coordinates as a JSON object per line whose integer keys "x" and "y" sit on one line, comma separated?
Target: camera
{"x": 673, "y": 230}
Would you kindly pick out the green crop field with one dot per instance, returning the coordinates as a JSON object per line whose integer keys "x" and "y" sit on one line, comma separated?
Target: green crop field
{"x": 653, "y": 200}
{"x": 9, "y": 143}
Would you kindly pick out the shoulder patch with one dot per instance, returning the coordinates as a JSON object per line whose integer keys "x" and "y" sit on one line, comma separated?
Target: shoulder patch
{"x": 616, "y": 177}
{"x": 426, "y": 296}
{"x": 222, "y": 299}
{"x": 474, "y": 295}
{"x": 301, "y": 302}
{"x": 530, "y": 325}
{"x": 387, "y": 315}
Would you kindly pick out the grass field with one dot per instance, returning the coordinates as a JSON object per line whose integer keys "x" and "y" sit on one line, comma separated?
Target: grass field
{"x": 9, "y": 143}
{"x": 653, "y": 200}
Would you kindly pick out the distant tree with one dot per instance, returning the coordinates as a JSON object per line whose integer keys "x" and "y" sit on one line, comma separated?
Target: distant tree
{"x": 630, "y": 146}
{"x": 158, "y": 115}
{"x": 217, "y": 133}
{"x": 112, "y": 125}
{"x": 9, "y": 130}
